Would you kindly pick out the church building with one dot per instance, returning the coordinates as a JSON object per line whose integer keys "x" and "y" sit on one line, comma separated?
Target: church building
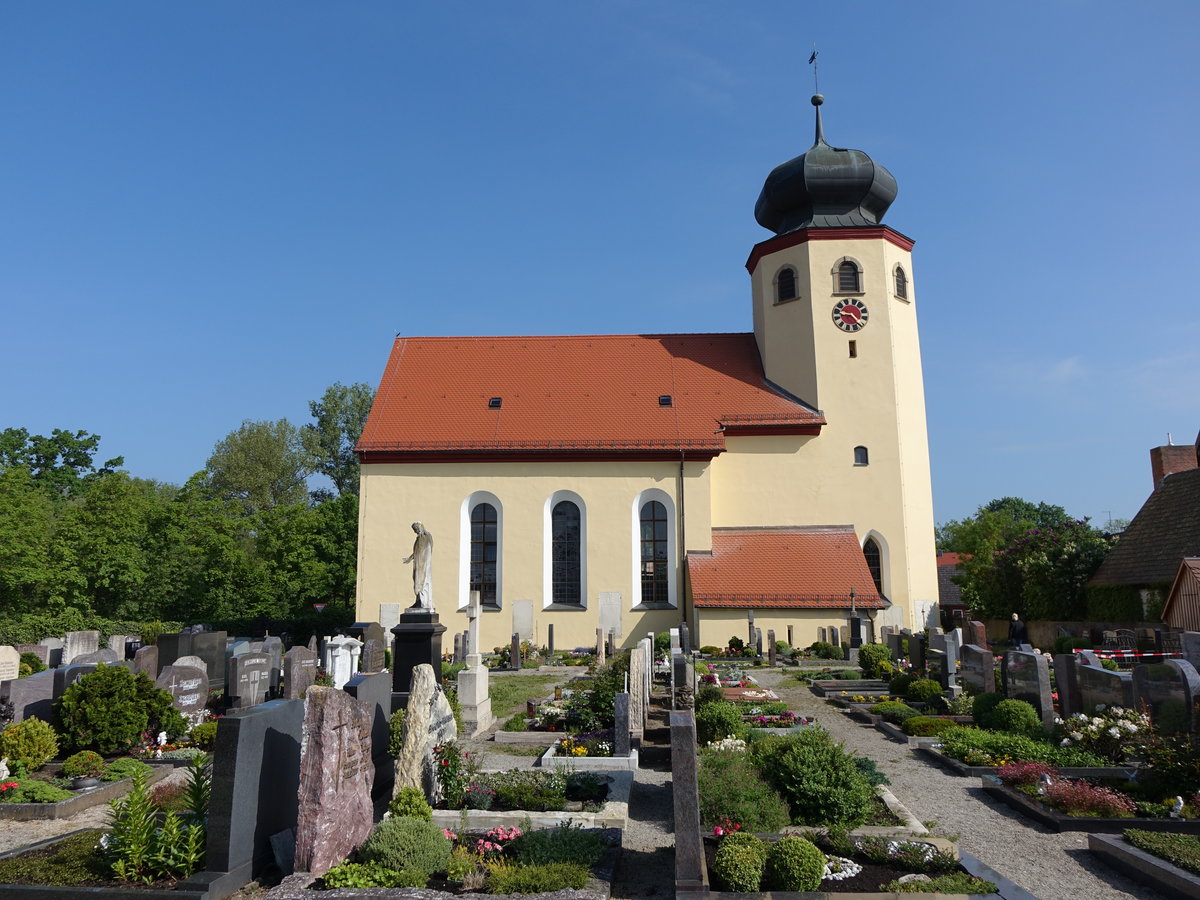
{"x": 631, "y": 482}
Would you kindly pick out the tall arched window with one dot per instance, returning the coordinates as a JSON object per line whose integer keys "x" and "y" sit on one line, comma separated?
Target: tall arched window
{"x": 785, "y": 285}
{"x": 484, "y": 546}
{"x": 565, "y": 556}
{"x": 655, "y": 555}
{"x": 901, "y": 283}
{"x": 874, "y": 562}
{"x": 848, "y": 280}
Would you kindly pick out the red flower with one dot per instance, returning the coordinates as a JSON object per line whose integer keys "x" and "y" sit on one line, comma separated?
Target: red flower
{"x": 445, "y": 762}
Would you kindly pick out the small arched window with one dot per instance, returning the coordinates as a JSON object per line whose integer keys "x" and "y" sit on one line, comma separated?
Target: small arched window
{"x": 484, "y": 543}
{"x": 566, "y": 563}
{"x": 848, "y": 280}
{"x": 861, "y": 456}
{"x": 785, "y": 285}
{"x": 874, "y": 562}
{"x": 901, "y": 283}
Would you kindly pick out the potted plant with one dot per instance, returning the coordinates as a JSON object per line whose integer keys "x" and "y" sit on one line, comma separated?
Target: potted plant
{"x": 84, "y": 769}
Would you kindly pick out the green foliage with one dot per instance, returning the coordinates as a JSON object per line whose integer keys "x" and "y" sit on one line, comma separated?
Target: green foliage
{"x": 926, "y": 726}
{"x": 262, "y": 464}
{"x": 566, "y": 843}
{"x": 33, "y": 661}
{"x": 983, "y": 705}
{"x": 407, "y": 843}
{"x": 144, "y": 848}
{"x": 871, "y": 658}
{"x": 396, "y": 734}
{"x": 370, "y": 875}
{"x": 794, "y": 864}
{"x": 894, "y": 711}
{"x": 818, "y": 778}
{"x": 718, "y": 720}
{"x": 1113, "y": 603}
{"x": 923, "y": 690}
{"x": 70, "y": 862}
{"x": 339, "y": 417}
{"x": 463, "y": 862}
{"x": 710, "y": 650}
{"x": 410, "y": 802}
{"x": 84, "y": 764}
{"x": 109, "y": 710}
{"x": 870, "y": 770}
{"x": 899, "y": 684}
{"x": 825, "y": 650}
{"x": 740, "y": 862}
{"x": 955, "y": 883}
{"x": 1110, "y": 664}
{"x": 515, "y": 723}
{"x": 510, "y": 694}
{"x": 505, "y": 878}
{"x": 32, "y": 790}
{"x": 594, "y": 709}
{"x": 204, "y": 735}
{"x": 1065, "y": 644}
{"x": 732, "y": 788}
{"x": 453, "y": 775}
{"x": 30, "y": 742}
{"x": 122, "y": 768}
{"x": 979, "y": 747}
{"x": 1012, "y": 717}
{"x": 536, "y": 790}
{"x": 1172, "y": 766}
{"x": 1182, "y": 850}
{"x": 709, "y": 693}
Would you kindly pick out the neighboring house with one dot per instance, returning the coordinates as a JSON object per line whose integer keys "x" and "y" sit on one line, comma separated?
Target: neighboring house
{"x": 1182, "y": 610}
{"x": 1133, "y": 581}
{"x": 950, "y": 602}
{"x": 631, "y": 482}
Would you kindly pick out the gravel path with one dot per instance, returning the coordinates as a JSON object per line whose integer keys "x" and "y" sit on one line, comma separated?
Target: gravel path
{"x": 1051, "y": 866}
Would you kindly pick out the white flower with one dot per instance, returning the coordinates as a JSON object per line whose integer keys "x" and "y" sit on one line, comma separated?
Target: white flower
{"x": 1097, "y": 721}
{"x": 1117, "y": 709}
{"x": 1065, "y": 742}
{"x": 1076, "y": 736}
{"x": 1115, "y": 731}
{"x": 1100, "y": 707}
{"x": 1130, "y": 727}
{"x": 1058, "y": 720}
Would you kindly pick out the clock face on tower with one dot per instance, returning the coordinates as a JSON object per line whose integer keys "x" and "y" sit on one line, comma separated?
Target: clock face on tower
{"x": 850, "y": 315}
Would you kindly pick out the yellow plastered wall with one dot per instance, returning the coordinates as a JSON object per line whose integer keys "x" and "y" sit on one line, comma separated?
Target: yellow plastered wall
{"x": 393, "y": 496}
{"x": 717, "y": 626}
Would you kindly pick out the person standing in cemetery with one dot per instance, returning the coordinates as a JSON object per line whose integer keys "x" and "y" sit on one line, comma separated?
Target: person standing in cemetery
{"x": 422, "y": 560}
{"x": 1017, "y": 634}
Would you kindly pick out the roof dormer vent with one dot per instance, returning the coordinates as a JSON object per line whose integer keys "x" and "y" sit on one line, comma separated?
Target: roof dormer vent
{"x": 665, "y": 400}
{"x": 495, "y": 402}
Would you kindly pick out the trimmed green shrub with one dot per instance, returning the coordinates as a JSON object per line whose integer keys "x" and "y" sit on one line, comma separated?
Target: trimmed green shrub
{"x": 31, "y": 743}
{"x": 710, "y": 650}
{"x": 109, "y": 709}
{"x": 923, "y": 690}
{"x": 794, "y": 864}
{"x": 1182, "y": 850}
{"x": 708, "y": 693}
{"x": 899, "y": 684}
{"x": 740, "y": 861}
{"x": 956, "y": 883}
{"x": 204, "y": 735}
{"x": 566, "y": 843}
{"x": 894, "y": 711}
{"x": 825, "y": 650}
{"x": 719, "y": 720}
{"x": 369, "y": 875}
{"x": 505, "y": 878}
{"x": 410, "y": 801}
{"x": 84, "y": 764}
{"x": 926, "y": 726}
{"x": 870, "y": 658}
{"x": 1014, "y": 717}
{"x": 848, "y": 675}
{"x": 983, "y": 704}
{"x": 731, "y": 787}
{"x": 125, "y": 767}
{"x": 819, "y": 780}
{"x": 407, "y": 843}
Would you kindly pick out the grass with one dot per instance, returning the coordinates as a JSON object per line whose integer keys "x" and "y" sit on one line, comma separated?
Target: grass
{"x": 509, "y": 694}
{"x": 1181, "y": 849}
{"x": 69, "y": 862}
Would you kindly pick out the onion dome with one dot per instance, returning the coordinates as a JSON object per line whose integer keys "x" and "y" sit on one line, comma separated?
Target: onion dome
{"x": 825, "y": 187}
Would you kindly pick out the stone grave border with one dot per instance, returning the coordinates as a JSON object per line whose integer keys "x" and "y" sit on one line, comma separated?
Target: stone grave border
{"x": 1056, "y": 821}
{"x": 957, "y": 767}
{"x": 25, "y": 812}
{"x": 850, "y": 686}
{"x": 613, "y": 814}
{"x": 551, "y": 760}
{"x": 1144, "y": 868}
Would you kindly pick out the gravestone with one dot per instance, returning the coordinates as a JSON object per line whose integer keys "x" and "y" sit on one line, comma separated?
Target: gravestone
{"x": 77, "y": 643}
{"x": 342, "y": 655}
{"x": 314, "y": 645}
{"x": 1169, "y": 689}
{"x": 428, "y": 723}
{"x": 145, "y": 661}
{"x": 375, "y": 692}
{"x": 611, "y": 649}
{"x": 978, "y": 668}
{"x": 750, "y": 640}
{"x": 373, "y": 656}
{"x": 236, "y": 646}
{"x": 637, "y": 686}
{"x": 689, "y": 843}
{"x": 193, "y": 661}
{"x": 936, "y": 668}
{"x": 299, "y": 672}
{"x": 42, "y": 653}
{"x": 1189, "y": 643}
{"x": 676, "y": 645}
{"x": 1098, "y": 685}
{"x": 621, "y": 745}
{"x": 522, "y": 611}
{"x": 772, "y": 652}
{"x": 514, "y": 653}
{"x": 255, "y": 787}
{"x": 610, "y": 612}
{"x": 758, "y": 643}
{"x": 10, "y": 663}
{"x": 1066, "y": 681}
{"x": 208, "y": 645}
{"x": 473, "y": 680}
{"x": 54, "y": 651}
{"x": 550, "y": 638}
{"x": 188, "y": 687}
{"x": 273, "y": 648}
{"x": 458, "y": 648}
{"x": 791, "y": 643}
{"x": 335, "y": 813}
{"x": 599, "y": 647}
{"x": 32, "y": 696}
{"x": 835, "y": 637}
{"x": 895, "y": 644}
{"x": 65, "y": 676}
{"x": 1027, "y": 677}
{"x": 977, "y": 633}
{"x": 856, "y": 630}
{"x": 685, "y": 639}
{"x": 117, "y": 642}
{"x": 417, "y": 641}
{"x": 389, "y": 616}
{"x": 104, "y": 656}
{"x": 367, "y": 631}
{"x": 248, "y": 680}
{"x": 953, "y": 641}
{"x": 916, "y": 651}
{"x": 822, "y": 634}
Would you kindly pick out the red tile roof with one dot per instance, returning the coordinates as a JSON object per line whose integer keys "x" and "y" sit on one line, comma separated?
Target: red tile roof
{"x": 792, "y": 568}
{"x": 946, "y": 558}
{"x": 597, "y": 394}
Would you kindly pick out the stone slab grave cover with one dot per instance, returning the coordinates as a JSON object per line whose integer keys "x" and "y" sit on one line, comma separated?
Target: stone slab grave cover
{"x": 1098, "y": 685}
{"x": 77, "y": 643}
{"x": 31, "y": 696}
{"x": 10, "y": 663}
{"x": 428, "y": 723}
{"x": 335, "y": 813}
{"x": 248, "y": 680}
{"x": 978, "y": 668}
{"x": 1169, "y": 689}
{"x": 299, "y": 672}
{"x": 1027, "y": 677}
{"x": 188, "y": 687}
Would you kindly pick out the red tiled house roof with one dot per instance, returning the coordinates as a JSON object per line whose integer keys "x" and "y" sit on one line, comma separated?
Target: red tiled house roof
{"x": 594, "y": 395}
{"x": 785, "y": 568}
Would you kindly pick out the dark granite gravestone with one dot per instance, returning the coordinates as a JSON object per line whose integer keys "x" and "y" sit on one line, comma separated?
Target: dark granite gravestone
{"x": 916, "y": 651}
{"x": 1027, "y": 677}
{"x": 1066, "y": 681}
{"x": 791, "y": 642}
{"x": 758, "y": 643}
{"x": 255, "y": 786}
{"x": 689, "y": 843}
{"x": 1169, "y": 690}
{"x": 895, "y": 644}
{"x": 208, "y": 645}
{"x": 335, "y": 813}
{"x": 31, "y": 696}
{"x": 621, "y": 745}
{"x": 835, "y": 636}
{"x": 750, "y": 629}
{"x": 54, "y": 651}
{"x": 188, "y": 687}
{"x": 376, "y": 692}
{"x": 1189, "y": 642}
{"x": 550, "y": 638}
{"x": 373, "y": 655}
{"x": 145, "y": 661}
{"x": 514, "y": 651}
{"x": 822, "y": 634}
{"x": 368, "y": 631}
{"x": 299, "y": 672}
{"x": 685, "y": 639}
{"x": 418, "y": 641}
{"x": 856, "y": 632}
{"x": 458, "y": 648}
{"x": 248, "y": 680}
{"x": 273, "y": 648}
{"x": 1098, "y": 685}
{"x": 977, "y": 634}
{"x": 772, "y": 651}
{"x": 935, "y": 668}
{"x": 65, "y": 676}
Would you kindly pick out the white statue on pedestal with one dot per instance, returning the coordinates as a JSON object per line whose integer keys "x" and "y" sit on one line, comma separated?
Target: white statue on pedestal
{"x": 422, "y": 560}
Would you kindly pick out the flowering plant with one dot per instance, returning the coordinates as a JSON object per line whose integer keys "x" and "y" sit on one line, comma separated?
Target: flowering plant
{"x": 9, "y": 785}
{"x": 493, "y": 843}
{"x": 586, "y": 745}
{"x": 1110, "y": 732}
{"x": 452, "y": 777}
{"x": 729, "y": 743}
{"x": 726, "y": 826}
{"x": 708, "y": 679}
{"x": 1025, "y": 772}
{"x": 1082, "y": 798}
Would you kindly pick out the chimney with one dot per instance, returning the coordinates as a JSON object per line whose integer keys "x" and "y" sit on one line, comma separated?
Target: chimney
{"x": 1170, "y": 459}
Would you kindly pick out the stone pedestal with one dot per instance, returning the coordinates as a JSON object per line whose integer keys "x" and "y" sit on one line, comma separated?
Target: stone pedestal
{"x": 417, "y": 640}
{"x": 473, "y": 696}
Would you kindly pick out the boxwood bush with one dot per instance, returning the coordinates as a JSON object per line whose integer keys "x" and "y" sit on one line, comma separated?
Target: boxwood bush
{"x": 923, "y": 690}
{"x": 894, "y": 711}
{"x": 818, "y": 778}
{"x": 406, "y": 843}
{"x": 1013, "y": 717}
{"x": 871, "y": 657}
{"x": 899, "y": 684}
{"x": 794, "y": 864}
{"x": 740, "y": 861}
{"x": 731, "y": 787}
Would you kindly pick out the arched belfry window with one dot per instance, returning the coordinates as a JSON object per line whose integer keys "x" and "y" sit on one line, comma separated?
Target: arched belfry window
{"x": 901, "y": 283}
{"x": 874, "y": 562}
{"x": 485, "y": 535}
{"x": 785, "y": 284}
{"x": 655, "y": 553}
{"x": 861, "y": 456}
{"x": 848, "y": 279}
{"x": 566, "y": 580}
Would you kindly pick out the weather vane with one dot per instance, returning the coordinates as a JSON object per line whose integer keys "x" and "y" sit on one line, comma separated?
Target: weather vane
{"x": 812, "y": 61}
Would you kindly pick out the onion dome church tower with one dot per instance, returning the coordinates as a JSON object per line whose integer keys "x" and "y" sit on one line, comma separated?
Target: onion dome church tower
{"x": 835, "y": 320}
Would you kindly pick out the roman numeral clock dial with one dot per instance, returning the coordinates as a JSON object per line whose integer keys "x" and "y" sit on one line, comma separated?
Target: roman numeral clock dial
{"x": 850, "y": 315}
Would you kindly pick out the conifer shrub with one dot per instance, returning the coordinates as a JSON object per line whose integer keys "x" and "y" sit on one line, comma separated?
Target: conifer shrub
{"x": 505, "y": 878}
{"x": 109, "y": 710}
{"x": 794, "y": 864}
{"x": 1014, "y": 717}
{"x": 124, "y": 767}
{"x": 30, "y": 743}
{"x": 407, "y": 843}
{"x": 899, "y": 684}
{"x": 982, "y": 706}
{"x": 204, "y": 735}
{"x": 871, "y": 658}
{"x": 740, "y": 862}
{"x": 719, "y": 720}
{"x": 84, "y": 764}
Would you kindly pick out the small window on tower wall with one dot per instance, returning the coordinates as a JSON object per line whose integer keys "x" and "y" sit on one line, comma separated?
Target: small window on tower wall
{"x": 848, "y": 277}
{"x": 861, "y": 457}
{"x": 901, "y": 283}
{"x": 785, "y": 285}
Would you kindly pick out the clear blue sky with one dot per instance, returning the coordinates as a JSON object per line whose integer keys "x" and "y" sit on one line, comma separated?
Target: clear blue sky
{"x": 210, "y": 212}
